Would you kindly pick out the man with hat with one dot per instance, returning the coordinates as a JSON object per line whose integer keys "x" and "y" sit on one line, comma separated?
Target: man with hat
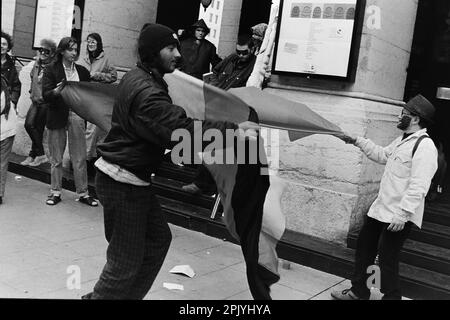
{"x": 411, "y": 162}
{"x": 142, "y": 123}
{"x": 197, "y": 53}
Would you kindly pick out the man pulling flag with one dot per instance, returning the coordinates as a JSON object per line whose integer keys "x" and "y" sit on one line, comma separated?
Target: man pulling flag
{"x": 140, "y": 127}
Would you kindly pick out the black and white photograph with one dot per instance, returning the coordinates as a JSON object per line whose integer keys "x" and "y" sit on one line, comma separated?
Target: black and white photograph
{"x": 225, "y": 155}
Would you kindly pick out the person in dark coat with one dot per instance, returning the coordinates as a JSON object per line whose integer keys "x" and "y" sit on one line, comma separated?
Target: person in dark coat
{"x": 143, "y": 121}
{"x": 64, "y": 125}
{"x": 197, "y": 53}
{"x": 9, "y": 70}
{"x": 232, "y": 72}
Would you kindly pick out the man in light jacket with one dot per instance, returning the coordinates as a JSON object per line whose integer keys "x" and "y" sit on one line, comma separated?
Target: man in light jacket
{"x": 410, "y": 166}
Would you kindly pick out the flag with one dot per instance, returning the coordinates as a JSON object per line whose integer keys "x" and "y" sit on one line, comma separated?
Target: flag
{"x": 251, "y": 200}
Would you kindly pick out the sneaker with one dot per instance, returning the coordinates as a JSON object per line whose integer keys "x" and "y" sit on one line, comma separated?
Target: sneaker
{"x": 346, "y": 294}
{"x": 192, "y": 189}
{"x": 27, "y": 161}
{"x": 38, "y": 161}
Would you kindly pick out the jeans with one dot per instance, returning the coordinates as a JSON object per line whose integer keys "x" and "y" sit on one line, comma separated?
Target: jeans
{"x": 35, "y": 125}
{"x": 375, "y": 238}
{"x": 94, "y": 136}
{"x": 5, "y": 152}
{"x": 138, "y": 239}
{"x": 77, "y": 150}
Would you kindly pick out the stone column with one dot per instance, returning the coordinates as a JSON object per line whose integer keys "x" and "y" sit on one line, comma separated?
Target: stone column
{"x": 331, "y": 185}
{"x": 231, "y": 15}
{"x": 119, "y": 23}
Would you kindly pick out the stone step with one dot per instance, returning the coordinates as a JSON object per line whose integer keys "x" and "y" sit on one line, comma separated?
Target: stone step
{"x": 420, "y": 254}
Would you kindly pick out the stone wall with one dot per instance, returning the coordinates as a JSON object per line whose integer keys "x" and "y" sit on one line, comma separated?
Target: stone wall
{"x": 119, "y": 23}
{"x": 330, "y": 184}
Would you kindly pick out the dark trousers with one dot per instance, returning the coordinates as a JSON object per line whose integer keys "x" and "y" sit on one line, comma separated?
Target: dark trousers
{"x": 375, "y": 238}
{"x": 204, "y": 179}
{"x": 138, "y": 236}
{"x": 35, "y": 125}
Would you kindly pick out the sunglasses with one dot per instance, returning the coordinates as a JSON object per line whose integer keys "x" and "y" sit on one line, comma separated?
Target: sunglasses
{"x": 242, "y": 52}
{"x": 44, "y": 51}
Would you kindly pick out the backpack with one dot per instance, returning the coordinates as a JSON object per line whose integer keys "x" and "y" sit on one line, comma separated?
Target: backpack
{"x": 437, "y": 180}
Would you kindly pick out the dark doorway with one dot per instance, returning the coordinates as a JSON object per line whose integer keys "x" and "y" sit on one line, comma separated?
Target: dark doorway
{"x": 429, "y": 67}
{"x": 252, "y": 13}
{"x": 177, "y": 14}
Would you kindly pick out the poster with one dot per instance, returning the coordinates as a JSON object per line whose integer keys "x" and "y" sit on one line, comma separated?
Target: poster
{"x": 56, "y": 19}
{"x": 315, "y": 37}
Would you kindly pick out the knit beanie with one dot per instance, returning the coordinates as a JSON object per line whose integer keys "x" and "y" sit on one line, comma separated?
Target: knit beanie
{"x": 153, "y": 38}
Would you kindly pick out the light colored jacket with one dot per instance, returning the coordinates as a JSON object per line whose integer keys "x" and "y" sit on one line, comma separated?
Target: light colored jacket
{"x": 406, "y": 179}
{"x": 101, "y": 70}
{"x": 7, "y": 126}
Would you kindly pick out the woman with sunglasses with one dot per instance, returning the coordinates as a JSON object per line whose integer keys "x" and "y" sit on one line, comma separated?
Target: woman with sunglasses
{"x": 103, "y": 71}
{"x": 37, "y": 114}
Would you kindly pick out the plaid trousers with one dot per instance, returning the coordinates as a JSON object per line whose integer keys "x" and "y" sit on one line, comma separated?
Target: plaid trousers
{"x": 138, "y": 236}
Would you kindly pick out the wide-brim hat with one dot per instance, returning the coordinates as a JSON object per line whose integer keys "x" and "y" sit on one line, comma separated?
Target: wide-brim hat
{"x": 201, "y": 24}
{"x": 420, "y": 106}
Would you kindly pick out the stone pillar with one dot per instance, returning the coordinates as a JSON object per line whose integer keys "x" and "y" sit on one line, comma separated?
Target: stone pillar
{"x": 331, "y": 185}
{"x": 119, "y": 23}
{"x": 8, "y": 13}
{"x": 231, "y": 15}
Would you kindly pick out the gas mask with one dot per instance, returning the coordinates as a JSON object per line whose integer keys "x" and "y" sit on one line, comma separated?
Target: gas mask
{"x": 404, "y": 122}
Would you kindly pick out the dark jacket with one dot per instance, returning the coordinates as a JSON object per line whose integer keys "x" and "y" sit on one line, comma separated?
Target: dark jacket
{"x": 7, "y": 107}
{"x": 142, "y": 123}
{"x": 9, "y": 71}
{"x": 58, "y": 112}
{"x": 230, "y": 73}
{"x": 197, "y": 58}
{"x": 36, "y": 75}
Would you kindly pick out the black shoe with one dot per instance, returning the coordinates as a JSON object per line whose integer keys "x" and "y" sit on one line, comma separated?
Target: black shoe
{"x": 346, "y": 294}
{"x": 90, "y": 201}
{"x": 87, "y": 296}
{"x": 53, "y": 200}
{"x": 1, "y": 200}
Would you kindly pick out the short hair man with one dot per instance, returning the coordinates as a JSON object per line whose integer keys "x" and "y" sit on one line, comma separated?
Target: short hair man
{"x": 143, "y": 120}
{"x": 234, "y": 70}
{"x": 197, "y": 53}
{"x": 400, "y": 202}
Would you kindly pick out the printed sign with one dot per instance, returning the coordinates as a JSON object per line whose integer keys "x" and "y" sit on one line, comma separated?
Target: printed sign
{"x": 315, "y": 37}
{"x": 56, "y": 19}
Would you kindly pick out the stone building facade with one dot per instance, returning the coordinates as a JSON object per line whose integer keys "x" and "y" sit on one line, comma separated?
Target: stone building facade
{"x": 330, "y": 185}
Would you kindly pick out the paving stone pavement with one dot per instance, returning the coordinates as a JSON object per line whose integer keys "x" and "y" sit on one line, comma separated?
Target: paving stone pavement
{"x": 43, "y": 247}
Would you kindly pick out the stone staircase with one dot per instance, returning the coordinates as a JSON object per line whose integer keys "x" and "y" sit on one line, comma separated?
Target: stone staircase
{"x": 425, "y": 260}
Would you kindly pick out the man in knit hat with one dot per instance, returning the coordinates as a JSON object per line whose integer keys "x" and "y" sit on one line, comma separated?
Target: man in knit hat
{"x": 411, "y": 161}
{"x": 197, "y": 53}
{"x": 142, "y": 123}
